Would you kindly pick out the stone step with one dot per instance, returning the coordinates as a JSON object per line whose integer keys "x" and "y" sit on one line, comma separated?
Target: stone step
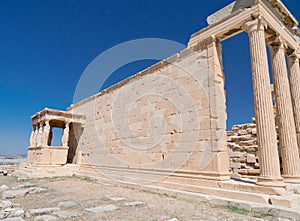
{"x": 231, "y": 194}
{"x": 245, "y": 185}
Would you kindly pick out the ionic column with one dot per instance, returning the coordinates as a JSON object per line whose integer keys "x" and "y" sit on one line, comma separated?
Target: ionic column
{"x": 284, "y": 114}
{"x": 294, "y": 77}
{"x": 263, "y": 107}
{"x": 65, "y": 136}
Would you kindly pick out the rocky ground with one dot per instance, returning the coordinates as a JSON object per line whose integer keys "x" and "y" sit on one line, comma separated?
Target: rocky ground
{"x": 79, "y": 198}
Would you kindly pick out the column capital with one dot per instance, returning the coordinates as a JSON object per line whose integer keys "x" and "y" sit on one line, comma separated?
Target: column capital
{"x": 295, "y": 55}
{"x": 276, "y": 42}
{"x": 255, "y": 25}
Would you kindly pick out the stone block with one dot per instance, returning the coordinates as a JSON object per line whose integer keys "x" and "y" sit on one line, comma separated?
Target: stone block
{"x": 3, "y": 188}
{"x": 42, "y": 211}
{"x": 11, "y": 194}
{"x": 251, "y": 158}
{"x": 67, "y": 204}
{"x": 242, "y": 132}
{"x": 102, "y": 209}
{"x": 46, "y": 218}
{"x": 290, "y": 201}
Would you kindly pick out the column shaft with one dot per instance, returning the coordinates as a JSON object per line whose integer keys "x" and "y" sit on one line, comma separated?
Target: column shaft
{"x": 284, "y": 114}
{"x": 294, "y": 77}
{"x": 266, "y": 133}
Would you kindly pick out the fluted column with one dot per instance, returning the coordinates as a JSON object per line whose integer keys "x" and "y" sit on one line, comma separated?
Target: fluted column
{"x": 284, "y": 113}
{"x": 294, "y": 77}
{"x": 263, "y": 107}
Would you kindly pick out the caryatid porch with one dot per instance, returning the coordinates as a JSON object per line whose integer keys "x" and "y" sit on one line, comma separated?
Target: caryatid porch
{"x": 41, "y": 150}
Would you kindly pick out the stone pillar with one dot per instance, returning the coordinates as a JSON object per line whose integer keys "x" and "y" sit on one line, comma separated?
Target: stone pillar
{"x": 50, "y": 137}
{"x": 35, "y": 135}
{"x": 65, "y": 136}
{"x": 294, "y": 77}
{"x": 32, "y": 142}
{"x": 263, "y": 107}
{"x": 40, "y": 134}
{"x": 284, "y": 114}
{"x": 46, "y": 133}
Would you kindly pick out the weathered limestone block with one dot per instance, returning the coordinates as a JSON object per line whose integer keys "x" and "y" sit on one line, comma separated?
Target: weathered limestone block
{"x": 10, "y": 194}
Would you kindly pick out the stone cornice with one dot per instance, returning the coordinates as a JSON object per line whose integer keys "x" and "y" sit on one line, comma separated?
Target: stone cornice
{"x": 233, "y": 24}
{"x": 50, "y": 114}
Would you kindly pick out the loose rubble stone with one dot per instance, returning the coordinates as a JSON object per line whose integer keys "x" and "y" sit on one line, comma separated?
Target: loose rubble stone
{"x": 10, "y": 194}
{"x": 117, "y": 198}
{"x": 243, "y": 149}
{"x": 42, "y": 211}
{"x": 6, "y": 204}
{"x": 3, "y": 188}
{"x": 67, "y": 204}
{"x": 24, "y": 185}
{"x": 37, "y": 190}
{"x": 134, "y": 203}
{"x": 295, "y": 188}
{"x": 173, "y": 219}
{"x": 3, "y": 214}
{"x": 102, "y": 209}
{"x": 14, "y": 212}
{"x": 46, "y": 218}
{"x": 66, "y": 214}
{"x": 13, "y": 219}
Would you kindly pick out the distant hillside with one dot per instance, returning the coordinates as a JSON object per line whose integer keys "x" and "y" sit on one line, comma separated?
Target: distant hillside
{"x": 9, "y": 160}
{"x": 13, "y": 156}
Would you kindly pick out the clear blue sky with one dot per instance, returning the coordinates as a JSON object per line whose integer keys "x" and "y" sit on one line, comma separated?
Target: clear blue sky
{"x": 46, "y": 45}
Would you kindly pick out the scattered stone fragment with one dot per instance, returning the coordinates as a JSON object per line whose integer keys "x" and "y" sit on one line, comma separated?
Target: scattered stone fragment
{"x": 67, "y": 204}
{"x": 42, "y": 211}
{"x": 295, "y": 188}
{"x": 66, "y": 214}
{"x": 12, "y": 212}
{"x": 3, "y": 188}
{"x": 102, "y": 209}
{"x": 3, "y": 214}
{"x": 15, "y": 212}
{"x": 6, "y": 204}
{"x": 13, "y": 219}
{"x": 45, "y": 218}
{"x": 134, "y": 203}
{"x": 173, "y": 219}
{"x": 117, "y": 198}
{"x": 37, "y": 190}
{"x": 10, "y": 194}
{"x": 24, "y": 185}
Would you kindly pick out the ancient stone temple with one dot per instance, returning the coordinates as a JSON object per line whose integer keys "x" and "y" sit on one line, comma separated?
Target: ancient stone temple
{"x": 165, "y": 127}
